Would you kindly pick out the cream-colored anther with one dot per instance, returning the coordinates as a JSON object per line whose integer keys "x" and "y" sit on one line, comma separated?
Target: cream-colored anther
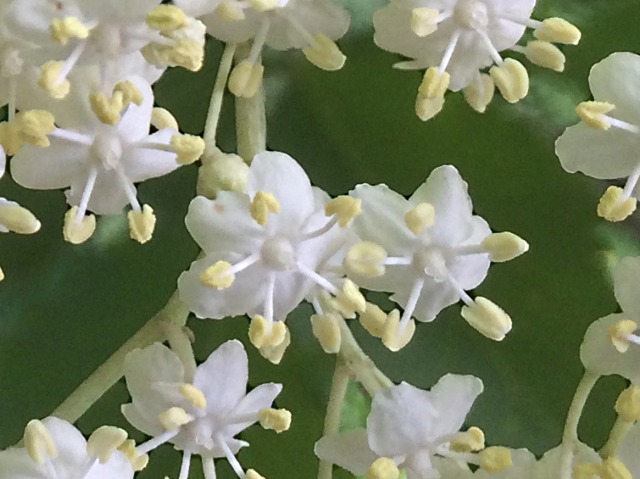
{"x": 107, "y": 109}
{"x": 469, "y": 441}
{"x": 188, "y": 148}
{"x": 51, "y": 80}
{"x": 349, "y": 301}
{"x": 263, "y": 333}
{"x": 587, "y": 470}
{"x": 434, "y": 83}
{"x": 366, "y": 259}
{"x": 545, "y": 54}
{"x": 487, "y": 318}
{"x": 558, "y": 30}
{"x": 173, "y": 418}
{"x": 38, "y": 442}
{"x": 593, "y": 114}
{"x": 184, "y": 52}
{"x": 373, "y": 319}
{"x": 628, "y": 404}
{"x": 263, "y": 5}
{"x": 420, "y": 217}
{"x": 424, "y": 21}
{"x": 230, "y": 11}
{"x": 344, "y": 208}
{"x": 326, "y": 329}
{"x": 245, "y": 79}
{"x": 166, "y": 18}
{"x": 222, "y": 172}
{"x": 194, "y": 395}
{"x": 104, "y": 442}
{"x": 504, "y": 246}
{"x": 253, "y": 474}
{"x": 613, "y": 468}
{"x": 130, "y": 93}
{"x": 383, "y": 468}
{"x": 65, "y": 28}
{"x": 217, "y": 276}
{"x": 77, "y": 231}
{"x": 512, "y": 80}
{"x": 10, "y": 138}
{"x": 274, "y": 354}
{"x": 142, "y": 224}
{"x": 162, "y": 118}
{"x": 18, "y": 219}
{"x": 395, "y": 337}
{"x": 278, "y": 420}
{"x": 619, "y": 334}
{"x": 34, "y": 126}
{"x": 427, "y": 108}
{"x": 262, "y": 205}
{"x": 137, "y": 461}
{"x": 479, "y": 93}
{"x": 324, "y": 53}
{"x": 1, "y": 275}
{"x": 613, "y": 208}
{"x": 495, "y": 459}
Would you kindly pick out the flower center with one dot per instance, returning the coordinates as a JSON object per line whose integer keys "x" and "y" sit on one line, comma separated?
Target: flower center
{"x": 278, "y": 253}
{"x": 107, "y": 148}
{"x": 106, "y": 39}
{"x": 432, "y": 262}
{"x": 471, "y": 14}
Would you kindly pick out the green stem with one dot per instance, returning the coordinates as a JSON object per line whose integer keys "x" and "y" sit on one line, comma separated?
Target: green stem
{"x": 110, "y": 372}
{"x": 337, "y": 394}
{"x": 570, "y": 434}
{"x": 618, "y": 432}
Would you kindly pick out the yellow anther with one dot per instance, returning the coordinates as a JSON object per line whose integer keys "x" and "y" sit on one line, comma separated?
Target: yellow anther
{"x": 434, "y": 83}
{"x": 512, "y": 80}
{"x": 263, "y": 333}
{"x": 326, "y": 329}
{"x": 504, "y": 246}
{"x": 278, "y": 420}
{"x": 366, "y": 259}
{"x": 558, "y": 30}
{"x": 77, "y": 230}
{"x": 1, "y": 275}
{"x": 349, "y": 301}
{"x": 262, "y": 205}
{"x": 161, "y": 118}
{"x": 372, "y": 319}
{"x": 619, "y": 334}
{"x": 10, "y": 138}
{"x": 245, "y": 79}
{"x": 593, "y": 114}
{"x": 487, "y": 318}
{"x": 166, "y": 18}
{"x": 420, "y": 217}
{"x": 613, "y": 468}
{"x": 230, "y": 11}
{"x": 587, "y": 470}
{"x": 188, "y": 148}
{"x": 217, "y": 276}
{"x": 38, "y": 442}
{"x": 194, "y": 395}
{"x": 137, "y": 461}
{"x": 18, "y": 219}
{"x": 34, "y": 126}
{"x": 344, "y": 208}
{"x": 545, "y": 54}
{"x": 394, "y": 336}
{"x": 184, "y": 52}
{"x": 495, "y": 459}
{"x": 427, "y": 108}
{"x": 173, "y": 418}
{"x": 469, "y": 441}
{"x": 104, "y": 442}
{"x": 222, "y": 172}
{"x": 613, "y": 208}
{"x": 628, "y": 404}
{"x": 424, "y": 21}
{"x": 142, "y": 223}
{"x": 324, "y": 53}
{"x": 252, "y": 474}
{"x": 52, "y": 81}
{"x": 275, "y": 353}
{"x": 263, "y": 5}
{"x": 130, "y": 93}
{"x": 65, "y": 28}
{"x": 107, "y": 109}
{"x": 479, "y": 93}
{"x": 383, "y": 468}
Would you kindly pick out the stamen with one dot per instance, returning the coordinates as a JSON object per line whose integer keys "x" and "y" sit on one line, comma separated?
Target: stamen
{"x": 17, "y": 219}
{"x": 613, "y": 468}
{"x": 412, "y": 302}
{"x": 230, "y": 11}
{"x": 253, "y": 474}
{"x": 395, "y": 337}
{"x": 157, "y": 441}
{"x": 266, "y": 334}
{"x": 174, "y": 418}
{"x": 324, "y": 53}
{"x": 161, "y": 118}
{"x": 344, "y": 208}
{"x": 398, "y": 261}
{"x": 349, "y": 301}
{"x": 470, "y": 440}
{"x": 613, "y": 206}
{"x": 269, "y": 297}
{"x": 71, "y": 136}
{"x": 420, "y": 217}
{"x": 194, "y": 395}
{"x": 316, "y": 278}
{"x": 366, "y": 259}
{"x": 487, "y": 318}
{"x": 52, "y": 80}
{"x": 166, "y": 18}
{"x": 65, "y": 28}
{"x": 188, "y": 148}
{"x": 278, "y": 420}
{"x": 128, "y": 188}
{"x": 512, "y": 80}
{"x": 594, "y": 114}
{"x": 142, "y": 224}
{"x": 34, "y": 126}
{"x": 326, "y": 329}
{"x": 621, "y": 335}
{"x": 628, "y": 404}
{"x": 543, "y": 54}
{"x": 448, "y": 53}
{"x": 209, "y": 468}
{"x": 218, "y": 276}
{"x": 184, "y": 465}
{"x": 262, "y": 205}
{"x": 137, "y": 461}
{"x": 503, "y": 246}
{"x": 263, "y": 5}
{"x": 275, "y": 353}
{"x": 233, "y": 462}
{"x": 245, "y": 79}
{"x": 104, "y": 442}
{"x": 383, "y": 468}
{"x": 424, "y": 20}
{"x": 107, "y": 109}
{"x": 320, "y": 231}
{"x": 557, "y": 30}
{"x": 373, "y": 319}
{"x": 495, "y": 459}
{"x": 78, "y": 228}
{"x": 38, "y": 442}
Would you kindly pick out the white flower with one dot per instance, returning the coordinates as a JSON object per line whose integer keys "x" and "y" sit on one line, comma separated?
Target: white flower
{"x": 199, "y": 415}
{"x": 55, "y": 449}
{"x": 456, "y": 39}
{"x": 407, "y": 425}
{"x": 605, "y": 144}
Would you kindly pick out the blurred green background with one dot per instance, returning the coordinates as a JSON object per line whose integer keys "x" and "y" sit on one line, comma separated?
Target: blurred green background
{"x": 64, "y": 309}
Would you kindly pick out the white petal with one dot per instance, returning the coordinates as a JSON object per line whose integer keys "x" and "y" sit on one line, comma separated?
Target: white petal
{"x": 30, "y": 19}
{"x": 524, "y": 465}
{"x": 118, "y": 467}
{"x": 348, "y": 450}
{"x": 153, "y": 364}
{"x": 233, "y": 32}
{"x": 134, "y": 124}
{"x": 141, "y": 164}
{"x": 15, "y": 463}
{"x": 144, "y": 423}
{"x": 108, "y": 196}
{"x": 613, "y": 80}
{"x": 626, "y": 278}
{"x": 549, "y": 465}
{"x": 196, "y": 8}
{"x": 290, "y": 290}
{"x": 3, "y": 161}
{"x": 433, "y": 299}
{"x": 471, "y": 270}
{"x": 259, "y": 398}
{"x": 71, "y": 445}
{"x": 49, "y": 168}
{"x": 628, "y": 450}
{"x": 452, "y": 396}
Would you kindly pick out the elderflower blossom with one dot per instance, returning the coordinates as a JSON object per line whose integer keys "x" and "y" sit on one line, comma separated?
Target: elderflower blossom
{"x": 55, "y": 449}
{"x": 605, "y": 144}
{"x": 456, "y": 39}
{"x": 200, "y": 414}
{"x": 428, "y": 251}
